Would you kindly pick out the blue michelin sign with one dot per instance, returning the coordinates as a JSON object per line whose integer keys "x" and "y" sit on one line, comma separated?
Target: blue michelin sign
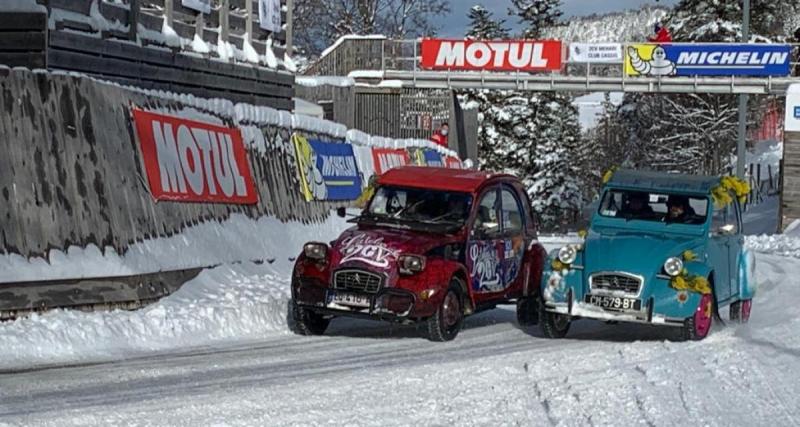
{"x": 708, "y": 60}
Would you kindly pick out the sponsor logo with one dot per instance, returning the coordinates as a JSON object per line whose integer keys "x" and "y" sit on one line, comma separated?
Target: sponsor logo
{"x": 508, "y": 55}
{"x": 327, "y": 171}
{"x": 192, "y": 161}
{"x": 388, "y": 158}
{"x": 707, "y": 60}
{"x": 369, "y": 250}
{"x": 486, "y": 267}
{"x": 797, "y": 112}
{"x": 595, "y": 52}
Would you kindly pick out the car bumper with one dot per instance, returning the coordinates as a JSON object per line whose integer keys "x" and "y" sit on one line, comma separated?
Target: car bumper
{"x": 388, "y": 304}
{"x": 587, "y": 311}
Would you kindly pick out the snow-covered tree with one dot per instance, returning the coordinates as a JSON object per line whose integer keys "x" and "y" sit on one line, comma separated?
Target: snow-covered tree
{"x": 536, "y": 15}
{"x": 318, "y": 23}
{"x": 482, "y": 26}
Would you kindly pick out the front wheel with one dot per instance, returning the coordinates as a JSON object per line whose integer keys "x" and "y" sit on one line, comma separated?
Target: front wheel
{"x": 697, "y": 327}
{"x": 445, "y": 324}
{"x": 306, "y": 322}
{"x": 528, "y": 311}
{"x": 740, "y": 311}
{"x": 553, "y": 325}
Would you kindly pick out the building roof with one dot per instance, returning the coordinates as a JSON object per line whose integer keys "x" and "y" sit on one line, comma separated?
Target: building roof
{"x": 446, "y": 179}
{"x": 663, "y": 181}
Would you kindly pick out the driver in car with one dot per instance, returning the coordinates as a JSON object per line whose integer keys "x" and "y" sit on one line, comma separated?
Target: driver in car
{"x": 637, "y": 207}
{"x": 678, "y": 210}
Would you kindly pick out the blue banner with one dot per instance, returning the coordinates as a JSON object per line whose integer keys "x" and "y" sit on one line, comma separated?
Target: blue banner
{"x": 432, "y": 158}
{"x": 327, "y": 171}
{"x": 708, "y": 60}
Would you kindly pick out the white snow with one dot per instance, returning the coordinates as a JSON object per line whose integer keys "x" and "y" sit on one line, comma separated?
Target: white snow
{"x": 316, "y": 81}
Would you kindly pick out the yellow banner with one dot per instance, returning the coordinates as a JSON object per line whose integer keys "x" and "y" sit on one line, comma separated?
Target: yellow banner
{"x": 647, "y": 60}
{"x": 303, "y": 155}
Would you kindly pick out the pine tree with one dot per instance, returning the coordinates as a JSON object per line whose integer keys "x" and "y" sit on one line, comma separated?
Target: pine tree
{"x": 536, "y": 15}
{"x": 483, "y": 27}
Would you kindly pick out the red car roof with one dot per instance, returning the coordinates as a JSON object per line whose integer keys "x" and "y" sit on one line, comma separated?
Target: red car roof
{"x": 446, "y": 179}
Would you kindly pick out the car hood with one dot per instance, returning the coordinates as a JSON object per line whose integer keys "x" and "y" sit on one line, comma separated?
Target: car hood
{"x": 379, "y": 248}
{"x": 634, "y": 252}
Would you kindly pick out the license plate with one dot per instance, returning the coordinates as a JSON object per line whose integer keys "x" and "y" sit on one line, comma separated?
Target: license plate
{"x": 614, "y": 303}
{"x": 347, "y": 298}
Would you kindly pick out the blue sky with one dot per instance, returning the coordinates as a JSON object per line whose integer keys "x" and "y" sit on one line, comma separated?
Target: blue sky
{"x": 456, "y": 23}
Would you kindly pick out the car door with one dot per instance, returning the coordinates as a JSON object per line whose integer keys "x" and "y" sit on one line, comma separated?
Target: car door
{"x": 485, "y": 246}
{"x": 724, "y": 232}
{"x": 513, "y": 222}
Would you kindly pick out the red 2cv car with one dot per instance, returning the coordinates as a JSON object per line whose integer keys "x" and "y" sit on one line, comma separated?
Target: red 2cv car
{"x": 432, "y": 246}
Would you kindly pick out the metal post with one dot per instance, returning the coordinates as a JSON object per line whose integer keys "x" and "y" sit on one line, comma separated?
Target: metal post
{"x": 289, "y": 27}
{"x": 168, "y": 12}
{"x": 134, "y": 20}
{"x": 741, "y": 148}
{"x": 248, "y": 24}
{"x": 225, "y": 28}
{"x": 200, "y": 25}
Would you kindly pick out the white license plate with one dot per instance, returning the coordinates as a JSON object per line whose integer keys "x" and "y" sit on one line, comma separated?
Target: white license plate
{"x": 347, "y": 298}
{"x": 614, "y": 303}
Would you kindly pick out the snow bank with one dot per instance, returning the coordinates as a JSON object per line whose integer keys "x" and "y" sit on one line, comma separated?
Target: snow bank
{"x": 233, "y": 301}
{"x": 781, "y": 244}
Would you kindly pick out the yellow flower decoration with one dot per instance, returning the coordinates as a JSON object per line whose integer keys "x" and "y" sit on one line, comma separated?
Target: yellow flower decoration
{"x": 689, "y": 256}
{"x": 558, "y": 265}
{"x": 582, "y": 234}
{"x": 721, "y": 194}
{"x": 694, "y": 283}
{"x": 609, "y": 174}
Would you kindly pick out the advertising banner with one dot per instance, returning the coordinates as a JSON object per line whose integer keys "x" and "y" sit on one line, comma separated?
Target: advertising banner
{"x": 388, "y": 158}
{"x": 433, "y": 159}
{"x": 500, "y": 55}
{"x": 191, "y": 161}
{"x": 453, "y": 162}
{"x": 269, "y": 15}
{"x": 707, "y": 60}
{"x": 327, "y": 171}
{"x": 203, "y": 6}
{"x": 595, "y": 52}
{"x": 792, "y": 121}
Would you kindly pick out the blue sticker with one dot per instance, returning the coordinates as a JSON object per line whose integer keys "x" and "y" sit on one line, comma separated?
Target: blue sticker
{"x": 797, "y": 112}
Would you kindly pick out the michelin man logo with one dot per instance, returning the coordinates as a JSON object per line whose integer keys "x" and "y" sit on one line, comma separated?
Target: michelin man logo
{"x": 314, "y": 187}
{"x": 659, "y": 65}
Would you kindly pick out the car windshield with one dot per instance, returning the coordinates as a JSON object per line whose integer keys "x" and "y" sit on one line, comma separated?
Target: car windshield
{"x": 655, "y": 207}
{"x": 420, "y": 206}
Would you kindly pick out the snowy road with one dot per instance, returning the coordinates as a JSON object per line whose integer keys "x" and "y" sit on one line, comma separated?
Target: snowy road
{"x": 365, "y": 373}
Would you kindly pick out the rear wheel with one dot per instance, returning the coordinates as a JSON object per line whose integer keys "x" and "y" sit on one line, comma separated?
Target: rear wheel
{"x": 553, "y": 325}
{"x": 697, "y": 327}
{"x": 740, "y": 311}
{"x": 446, "y": 323}
{"x": 306, "y": 322}
{"x": 528, "y": 311}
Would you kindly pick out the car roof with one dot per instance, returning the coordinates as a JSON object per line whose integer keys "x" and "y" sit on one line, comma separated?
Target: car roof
{"x": 445, "y": 179}
{"x": 663, "y": 181}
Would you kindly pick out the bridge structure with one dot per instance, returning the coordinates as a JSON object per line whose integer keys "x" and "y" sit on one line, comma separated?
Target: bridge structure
{"x": 400, "y": 66}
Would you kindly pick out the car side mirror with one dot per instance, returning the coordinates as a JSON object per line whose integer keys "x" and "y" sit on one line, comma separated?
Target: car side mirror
{"x": 341, "y": 212}
{"x": 725, "y": 230}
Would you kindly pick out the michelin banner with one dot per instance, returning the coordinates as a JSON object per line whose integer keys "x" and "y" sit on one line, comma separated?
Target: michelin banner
{"x": 707, "y": 60}
{"x": 327, "y": 171}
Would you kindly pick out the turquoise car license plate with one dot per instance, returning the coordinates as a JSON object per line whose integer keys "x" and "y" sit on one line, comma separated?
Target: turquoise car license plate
{"x": 614, "y": 303}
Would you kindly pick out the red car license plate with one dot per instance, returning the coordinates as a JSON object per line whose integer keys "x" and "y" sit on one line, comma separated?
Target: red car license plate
{"x": 347, "y": 298}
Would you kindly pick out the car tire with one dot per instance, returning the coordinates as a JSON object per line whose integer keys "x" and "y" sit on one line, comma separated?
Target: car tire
{"x": 528, "y": 311}
{"x": 446, "y": 323}
{"x": 553, "y": 325}
{"x": 740, "y": 311}
{"x": 697, "y": 326}
{"x": 306, "y": 322}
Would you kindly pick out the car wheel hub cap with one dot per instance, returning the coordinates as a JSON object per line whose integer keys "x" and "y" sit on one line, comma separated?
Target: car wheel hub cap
{"x": 451, "y": 310}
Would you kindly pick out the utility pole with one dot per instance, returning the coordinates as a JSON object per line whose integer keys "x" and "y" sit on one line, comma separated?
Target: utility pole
{"x": 289, "y": 27}
{"x": 741, "y": 148}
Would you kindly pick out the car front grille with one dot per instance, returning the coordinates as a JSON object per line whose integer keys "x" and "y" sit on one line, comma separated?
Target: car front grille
{"x": 357, "y": 280}
{"x": 616, "y": 282}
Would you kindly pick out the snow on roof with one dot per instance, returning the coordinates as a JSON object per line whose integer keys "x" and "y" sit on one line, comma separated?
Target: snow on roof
{"x": 316, "y": 81}
{"x": 662, "y": 181}
{"x": 342, "y": 39}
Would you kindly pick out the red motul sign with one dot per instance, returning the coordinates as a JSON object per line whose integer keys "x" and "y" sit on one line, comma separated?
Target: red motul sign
{"x": 192, "y": 161}
{"x": 387, "y": 158}
{"x": 498, "y": 55}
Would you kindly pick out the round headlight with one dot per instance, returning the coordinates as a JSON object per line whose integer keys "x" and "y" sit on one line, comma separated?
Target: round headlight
{"x": 315, "y": 250}
{"x": 673, "y": 266}
{"x": 567, "y": 254}
{"x": 410, "y": 264}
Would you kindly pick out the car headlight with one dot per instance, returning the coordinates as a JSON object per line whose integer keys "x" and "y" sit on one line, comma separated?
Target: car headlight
{"x": 411, "y": 264}
{"x": 315, "y": 250}
{"x": 567, "y": 254}
{"x": 673, "y": 266}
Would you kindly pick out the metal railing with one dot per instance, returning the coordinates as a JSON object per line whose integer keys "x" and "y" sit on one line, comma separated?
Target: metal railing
{"x": 401, "y": 61}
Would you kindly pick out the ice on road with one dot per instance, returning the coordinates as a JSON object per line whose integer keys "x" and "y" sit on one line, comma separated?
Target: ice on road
{"x": 364, "y": 373}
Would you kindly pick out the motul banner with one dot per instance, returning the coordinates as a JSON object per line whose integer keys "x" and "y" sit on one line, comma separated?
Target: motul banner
{"x": 499, "y": 55}
{"x": 191, "y": 161}
{"x": 388, "y": 158}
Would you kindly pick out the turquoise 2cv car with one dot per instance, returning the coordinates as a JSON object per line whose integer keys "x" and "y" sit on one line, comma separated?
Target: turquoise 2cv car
{"x": 662, "y": 249}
